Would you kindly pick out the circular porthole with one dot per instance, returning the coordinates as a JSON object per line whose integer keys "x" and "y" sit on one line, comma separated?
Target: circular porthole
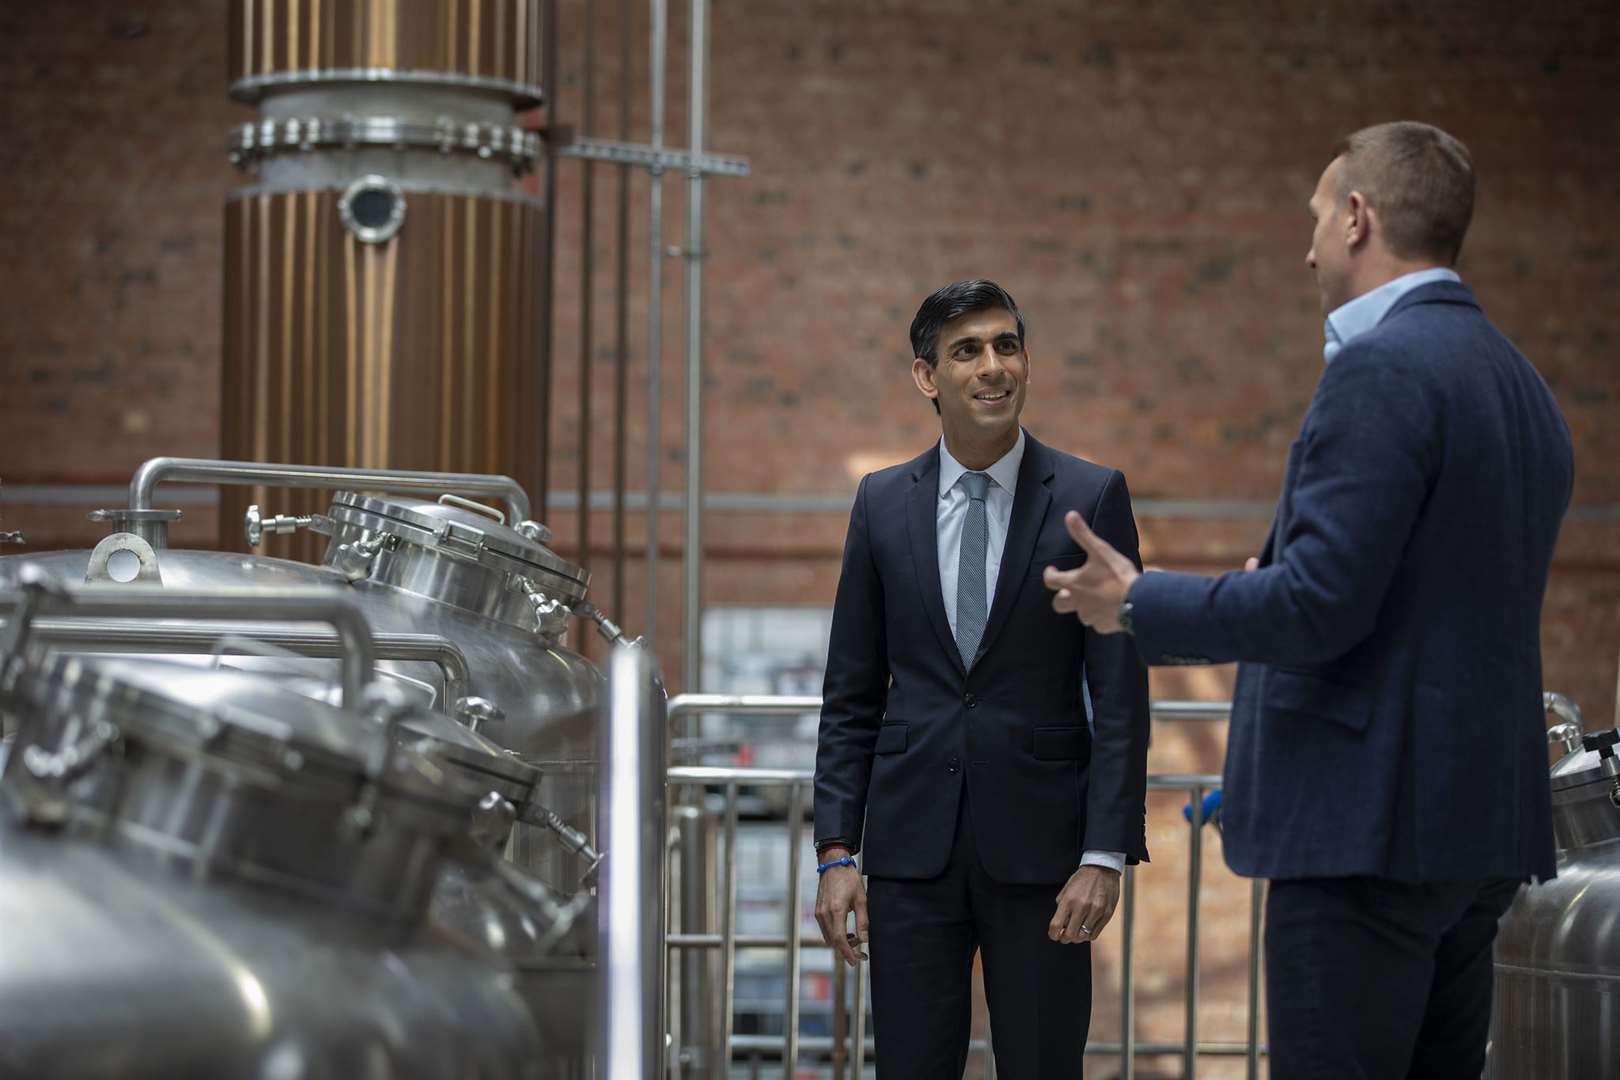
{"x": 373, "y": 209}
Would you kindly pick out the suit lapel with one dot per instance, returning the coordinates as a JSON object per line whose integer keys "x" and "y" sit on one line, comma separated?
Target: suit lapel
{"x": 1031, "y": 502}
{"x": 922, "y": 522}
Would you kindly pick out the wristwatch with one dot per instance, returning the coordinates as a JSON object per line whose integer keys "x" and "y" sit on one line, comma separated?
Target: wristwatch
{"x": 1125, "y": 612}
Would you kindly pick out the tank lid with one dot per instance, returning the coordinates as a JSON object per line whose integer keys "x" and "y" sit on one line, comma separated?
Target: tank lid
{"x": 1585, "y": 766}
{"x": 481, "y": 761}
{"x": 243, "y": 725}
{"x": 464, "y": 530}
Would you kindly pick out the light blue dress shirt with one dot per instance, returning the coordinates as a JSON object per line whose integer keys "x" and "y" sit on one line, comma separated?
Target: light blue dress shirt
{"x": 949, "y": 515}
{"x": 1351, "y": 320}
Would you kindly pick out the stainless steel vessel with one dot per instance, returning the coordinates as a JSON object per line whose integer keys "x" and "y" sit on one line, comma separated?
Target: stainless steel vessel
{"x": 477, "y": 614}
{"x": 1556, "y": 1014}
{"x": 204, "y": 874}
{"x": 381, "y": 267}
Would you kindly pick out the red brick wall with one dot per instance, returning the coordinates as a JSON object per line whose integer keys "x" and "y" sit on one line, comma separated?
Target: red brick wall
{"x": 1134, "y": 172}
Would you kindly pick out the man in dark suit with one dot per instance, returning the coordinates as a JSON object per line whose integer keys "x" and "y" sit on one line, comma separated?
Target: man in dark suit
{"x": 956, "y": 753}
{"x": 1386, "y": 766}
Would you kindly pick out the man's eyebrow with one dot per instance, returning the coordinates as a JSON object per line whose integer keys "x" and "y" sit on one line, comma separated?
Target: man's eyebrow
{"x": 968, "y": 340}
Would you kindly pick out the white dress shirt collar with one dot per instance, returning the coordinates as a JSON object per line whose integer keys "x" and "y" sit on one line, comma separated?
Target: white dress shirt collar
{"x": 1351, "y": 320}
{"x": 1004, "y": 472}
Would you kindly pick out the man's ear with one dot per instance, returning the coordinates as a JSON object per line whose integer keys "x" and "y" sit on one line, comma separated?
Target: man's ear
{"x": 1358, "y": 220}
{"x": 922, "y": 373}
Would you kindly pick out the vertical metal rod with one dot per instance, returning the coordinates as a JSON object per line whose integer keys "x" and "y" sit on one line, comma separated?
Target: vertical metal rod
{"x": 1127, "y": 980}
{"x": 676, "y": 921}
{"x": 795, "y": 838}
{"x": 548, "y": 259}
{"x": 1195, "y": 866}
{"x": 1257, "y": 900}
{"x": 587, "y": 297}
{"x": 655, "y": 309}
{"x": 840, "y": 1019}
{"x": 621, "y": 323}
{"x": 728, "y": 937}
{"x": 692, "y": 645}
{"x": 633, "y": 749}
{"x": 860, "y": 1020}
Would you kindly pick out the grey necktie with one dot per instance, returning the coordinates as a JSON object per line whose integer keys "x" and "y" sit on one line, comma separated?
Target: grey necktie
{"x": 971, "y": 608}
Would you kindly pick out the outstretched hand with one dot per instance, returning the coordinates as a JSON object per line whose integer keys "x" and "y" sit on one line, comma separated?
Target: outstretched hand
{"x": 1095, "y": 590}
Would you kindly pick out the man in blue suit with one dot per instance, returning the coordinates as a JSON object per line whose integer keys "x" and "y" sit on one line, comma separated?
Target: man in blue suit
{"x": 1386, "y": 766}
{"x": 990, "y": 807}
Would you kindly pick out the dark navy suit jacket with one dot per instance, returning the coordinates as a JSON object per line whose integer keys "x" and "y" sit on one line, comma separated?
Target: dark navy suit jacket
{"x": 1388, "y": 717}
{"x": 904, "y": 726}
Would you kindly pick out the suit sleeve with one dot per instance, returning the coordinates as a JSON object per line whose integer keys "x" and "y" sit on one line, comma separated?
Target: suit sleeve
{"x": 855, "y": 690}
{"x": 1116, "y": 800}
{"x": 1365, "y": 459}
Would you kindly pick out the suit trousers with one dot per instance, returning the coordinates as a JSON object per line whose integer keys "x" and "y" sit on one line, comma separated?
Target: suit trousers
{"x": 923, "y": 935}
{"x": 1373, "y": 979}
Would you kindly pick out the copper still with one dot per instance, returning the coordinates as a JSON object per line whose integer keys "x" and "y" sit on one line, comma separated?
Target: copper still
{"x": 382, "y": 268}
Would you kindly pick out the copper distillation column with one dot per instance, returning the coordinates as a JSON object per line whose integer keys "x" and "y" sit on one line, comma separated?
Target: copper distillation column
{"x": 383, "y": 269}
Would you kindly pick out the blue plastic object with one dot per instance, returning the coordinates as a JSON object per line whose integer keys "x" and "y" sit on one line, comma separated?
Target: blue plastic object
{"x": 1209, "y": 811}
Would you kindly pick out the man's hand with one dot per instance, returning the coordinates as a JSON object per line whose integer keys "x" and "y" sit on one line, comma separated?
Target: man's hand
{"x": 1094, "y": 591}
{"x": 1085, "y": 905}
{"x": 840, "y": 892}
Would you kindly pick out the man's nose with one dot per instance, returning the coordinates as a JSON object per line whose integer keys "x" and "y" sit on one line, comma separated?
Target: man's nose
{"x": 989, "y": 362}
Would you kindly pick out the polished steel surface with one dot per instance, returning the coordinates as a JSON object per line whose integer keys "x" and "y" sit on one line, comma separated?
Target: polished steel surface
{"x": 44, "y": 595}
{"x": 232, "y": 774}
{"x": 412, "y": 354}
{"x": 545, "y": 695}
{"x": 635, "y": 741}
{"x": 1556, "y": 1014}
{"x": 1556, "y": 1010}
{"x": 184, "y": 977}
{"x": 486, "y": 46}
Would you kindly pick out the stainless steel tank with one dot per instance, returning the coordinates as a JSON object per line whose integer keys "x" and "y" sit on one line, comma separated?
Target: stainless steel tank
{"x": 1556, "y": 1013}
{"x": 381, "y": 267}
{"x": 204, "y": 874}
{"x": 486, "y": 609}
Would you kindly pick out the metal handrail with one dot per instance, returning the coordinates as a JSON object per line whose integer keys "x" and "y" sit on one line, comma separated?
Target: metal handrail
{"x": 107, "y": 635}
{"x": 39, "y": 596}
{"x": 799, "y": 782}
{"x": 274, "y": 474}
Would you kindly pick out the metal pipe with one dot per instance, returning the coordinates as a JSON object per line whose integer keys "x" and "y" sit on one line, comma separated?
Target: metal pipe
{"x": 728, "y": 931}
{"x": 828, "y": 1044}
{"x": 359, "y": 657}
{"x": 1127, "y": 979}
{"x": 621, "y": 320}
{"x": 629, "y": 928}
{"x": 840, "y": 1022}
{"x": 778, "y": 704}
{"x": 1195, "y": 866}
{"x": 239, "y": 473}
{"x": 104, "y": 635}
{"x": 1257, "y": 896}
{"x": 545, "y": 309}
{"x": 587, "y": 292}
{"x": 860, "y": 1021}
{"x": 692, "y": 643}
{"x": 655, "y": 302}
{"x": 795, "y": 831}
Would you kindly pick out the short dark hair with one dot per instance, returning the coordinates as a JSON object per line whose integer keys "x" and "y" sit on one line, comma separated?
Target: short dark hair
{"x": 1419, "y": 179}
{"x": 952, "y": 302}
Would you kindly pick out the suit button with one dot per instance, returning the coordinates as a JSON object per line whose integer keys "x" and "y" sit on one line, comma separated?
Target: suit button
{"x": 969, "y": 700}
{"x": 954, "y": 765}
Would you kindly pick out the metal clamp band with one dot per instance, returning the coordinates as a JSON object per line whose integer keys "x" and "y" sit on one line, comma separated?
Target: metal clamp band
{"x": 518, "y": 148}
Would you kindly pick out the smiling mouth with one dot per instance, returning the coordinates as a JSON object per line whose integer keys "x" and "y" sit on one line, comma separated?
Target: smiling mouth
{"x": 992, "y": 396}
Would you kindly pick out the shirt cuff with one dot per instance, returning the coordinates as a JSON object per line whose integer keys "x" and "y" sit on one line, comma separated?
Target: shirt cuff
{"x": 1109, "y": 860}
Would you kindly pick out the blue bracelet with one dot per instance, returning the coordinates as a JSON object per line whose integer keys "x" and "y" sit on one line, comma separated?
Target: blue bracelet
{"x": 847, "y": 860}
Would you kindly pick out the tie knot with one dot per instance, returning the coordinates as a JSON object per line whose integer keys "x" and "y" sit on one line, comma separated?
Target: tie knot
{"x": 976, "y": 484}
